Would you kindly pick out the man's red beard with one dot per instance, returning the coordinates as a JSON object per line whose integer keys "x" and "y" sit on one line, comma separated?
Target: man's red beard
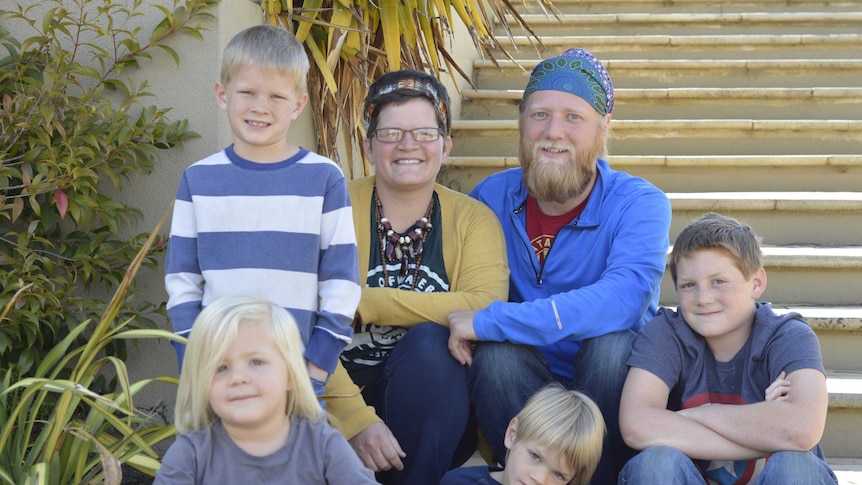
{"x": 562, "y": 179}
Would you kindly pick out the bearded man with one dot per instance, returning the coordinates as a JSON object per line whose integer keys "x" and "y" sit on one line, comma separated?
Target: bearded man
{"x": 586, "y": 248}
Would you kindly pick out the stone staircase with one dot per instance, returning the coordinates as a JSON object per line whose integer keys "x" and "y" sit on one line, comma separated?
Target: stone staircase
{"x": 748, "y": 108}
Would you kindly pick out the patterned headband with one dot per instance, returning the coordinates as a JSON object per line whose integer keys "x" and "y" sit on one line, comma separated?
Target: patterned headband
{"x": 577, "y": 72}
{"x": 408, "y": 84}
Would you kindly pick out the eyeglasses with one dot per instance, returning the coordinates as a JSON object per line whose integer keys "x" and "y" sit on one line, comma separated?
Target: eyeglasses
{"x": 392, "y": 135}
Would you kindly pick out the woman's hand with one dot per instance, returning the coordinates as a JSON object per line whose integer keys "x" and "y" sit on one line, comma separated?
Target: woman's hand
{"x": 377, "y": 447}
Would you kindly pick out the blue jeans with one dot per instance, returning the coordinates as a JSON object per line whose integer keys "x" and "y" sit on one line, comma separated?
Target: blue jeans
{"x": 665, "y": 465}
{"x": 318, "y": 387}
{"x": 504, "y": 375}
{"x": 422, "y": 396}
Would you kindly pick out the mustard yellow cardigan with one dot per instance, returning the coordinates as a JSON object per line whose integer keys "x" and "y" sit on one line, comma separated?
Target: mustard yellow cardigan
{"x": 474, "y": 254}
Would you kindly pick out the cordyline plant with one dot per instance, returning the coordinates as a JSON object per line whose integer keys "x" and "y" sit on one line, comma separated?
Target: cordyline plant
{"x": 56, "y": 429}
{"x": 73, "y": 130}
{"x": 353, "y": 42}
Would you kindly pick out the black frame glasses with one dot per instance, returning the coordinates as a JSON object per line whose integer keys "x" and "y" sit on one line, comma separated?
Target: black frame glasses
{"x": 394, "y": 135}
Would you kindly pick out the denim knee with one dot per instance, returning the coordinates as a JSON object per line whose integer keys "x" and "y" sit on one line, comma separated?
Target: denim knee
{"x": 506, "y": 363}
{"x": 425, "y": 343}
{"x": 604, "y": 357}
{"x": 796, "y": 467}
{"x": 660, "y": 464}
{"x": 422, "y": 363}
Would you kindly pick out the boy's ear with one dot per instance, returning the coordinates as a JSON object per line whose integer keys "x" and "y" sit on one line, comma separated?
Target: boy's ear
{"x": 511, "y": 433}
{"x": 300, "y": 105}
{"x": 221, "y": 95}
{"x": 758, "y": 283}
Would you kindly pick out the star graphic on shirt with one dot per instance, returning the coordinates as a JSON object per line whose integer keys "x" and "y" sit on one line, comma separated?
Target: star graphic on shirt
{"x": 726, "y": 464}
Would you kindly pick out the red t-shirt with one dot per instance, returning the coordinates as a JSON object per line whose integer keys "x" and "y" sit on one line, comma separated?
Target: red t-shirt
{"x": 542, "y": 228}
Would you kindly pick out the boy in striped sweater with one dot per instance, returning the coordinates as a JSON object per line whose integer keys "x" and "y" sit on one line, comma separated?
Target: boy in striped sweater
{"x": 264, "y": 217}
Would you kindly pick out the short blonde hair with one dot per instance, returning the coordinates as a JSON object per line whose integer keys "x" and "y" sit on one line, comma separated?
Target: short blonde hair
{"x": 567, "y": 422}
{"x": 267, "y": 47}
{"x": 214, "y": 330}
{"x": 716, "y": 231}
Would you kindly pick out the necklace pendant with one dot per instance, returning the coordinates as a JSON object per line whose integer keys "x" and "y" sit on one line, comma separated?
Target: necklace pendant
{"x": 402, "y": 272}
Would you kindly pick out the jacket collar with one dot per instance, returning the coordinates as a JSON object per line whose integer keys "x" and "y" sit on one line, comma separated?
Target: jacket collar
{"x": 590, "y": 216}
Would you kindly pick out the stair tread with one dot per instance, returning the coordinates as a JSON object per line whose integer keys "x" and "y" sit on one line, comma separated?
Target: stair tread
{"x": 681, "y": 3}
{"x": 808, "y": 256}
{"x": 840, "y": 125}
{"x": 681, "y": 160}
{"x": 713, "y": 18}
{"x": 835, "y": 317}
{"x": 777, "y": 40}
{"x": 845, "y": 388}
{"x": 632, "y": 94}
{"x": 693, "y": 64}
{"x": 767, "y": 201}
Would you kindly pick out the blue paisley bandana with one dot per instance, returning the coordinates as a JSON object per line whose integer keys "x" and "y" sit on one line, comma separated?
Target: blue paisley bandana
{"x": 577, "y": 72}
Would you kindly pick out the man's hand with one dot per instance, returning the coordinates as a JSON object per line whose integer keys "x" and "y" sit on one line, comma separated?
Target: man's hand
{"x": 377, "y": 447}
{"x": 462, "y": 336}
{"x": 778, "y": 390}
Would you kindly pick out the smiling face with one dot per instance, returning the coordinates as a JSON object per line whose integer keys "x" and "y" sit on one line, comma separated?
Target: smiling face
{"x": 561, "y": 137}
{"x": 260, "y": 106}
{"x": 250, "y": 386}
{"x": 531, "y": 463}
{"x": 717, "y": 300}
{"x": 407, "y": 164}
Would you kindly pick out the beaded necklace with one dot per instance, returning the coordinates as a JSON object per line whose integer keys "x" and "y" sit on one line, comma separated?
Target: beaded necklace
{"x": 395, "y": 246}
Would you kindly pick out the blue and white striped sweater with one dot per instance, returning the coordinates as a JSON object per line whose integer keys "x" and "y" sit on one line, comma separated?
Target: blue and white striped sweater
{"x": 280, "y": 231}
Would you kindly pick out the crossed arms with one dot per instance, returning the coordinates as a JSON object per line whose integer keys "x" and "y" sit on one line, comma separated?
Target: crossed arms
{"x": 791, "y": 418}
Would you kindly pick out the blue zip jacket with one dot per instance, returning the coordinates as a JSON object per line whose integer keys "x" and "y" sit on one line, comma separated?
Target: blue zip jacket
{"x": 602, "y": 274}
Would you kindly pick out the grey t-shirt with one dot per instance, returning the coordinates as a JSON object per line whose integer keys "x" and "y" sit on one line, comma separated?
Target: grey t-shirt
{"x": 315, "y": 453}
{"x": 669, "y": 349}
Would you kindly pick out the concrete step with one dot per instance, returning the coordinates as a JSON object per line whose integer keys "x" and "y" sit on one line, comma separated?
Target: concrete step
{"x": 848, "y": 470}
{"x": 754, "y": 46}
{"x": 684, "y": 137}
{"x": 733, "y": 173}
{"x": 677, "y": 23}
{"x": 688, "y": 103}
{"x": 692, "y": 6}
{"x": 829, "y": 218}
{"x": 791, "y": 271}
{"x": 692, "y": 72}
{"x": 842, "y": 438}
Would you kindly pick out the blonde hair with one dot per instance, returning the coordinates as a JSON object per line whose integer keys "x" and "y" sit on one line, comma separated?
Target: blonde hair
{"x": 713, "y": 230}
{"x": 567, "y": 422}
{"x": 213, "y": 332}
{"x": 267, "y": 47}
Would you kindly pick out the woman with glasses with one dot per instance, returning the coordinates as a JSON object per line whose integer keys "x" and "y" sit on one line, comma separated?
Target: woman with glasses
{"x": 424, "y": 251}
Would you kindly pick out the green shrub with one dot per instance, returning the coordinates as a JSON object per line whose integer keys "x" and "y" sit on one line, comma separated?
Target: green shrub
{"x": 56, "y": 430}
{"x": 71, "y": 126}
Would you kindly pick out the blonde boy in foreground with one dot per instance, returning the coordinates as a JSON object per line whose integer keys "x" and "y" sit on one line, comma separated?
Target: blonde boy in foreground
{"x": 556, "y": 439}
{"x": 724, "y": 390}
